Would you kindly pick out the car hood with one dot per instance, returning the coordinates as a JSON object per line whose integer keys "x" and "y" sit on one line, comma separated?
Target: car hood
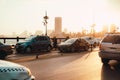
{"x": 8, "y": 64}
{"x": 22, "y": 42}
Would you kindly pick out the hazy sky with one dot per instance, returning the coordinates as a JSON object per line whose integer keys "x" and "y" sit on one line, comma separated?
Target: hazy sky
{"x": 20, "y": 15}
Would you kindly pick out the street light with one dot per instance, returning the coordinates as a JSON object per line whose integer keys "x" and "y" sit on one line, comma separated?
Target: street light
{"x": 45, "y": 23}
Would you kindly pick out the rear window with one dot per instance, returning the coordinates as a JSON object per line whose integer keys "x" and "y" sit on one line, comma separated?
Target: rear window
{"x": 112, "y": 39}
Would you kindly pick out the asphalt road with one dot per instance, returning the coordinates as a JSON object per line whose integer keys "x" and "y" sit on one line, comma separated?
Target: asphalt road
{"x": 71, "y": 66}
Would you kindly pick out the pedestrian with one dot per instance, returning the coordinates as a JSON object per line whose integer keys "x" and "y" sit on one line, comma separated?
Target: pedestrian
{"x": 55, "y": 43}
{"x": 91, "y": 46}
{"x": 17, "y": 38}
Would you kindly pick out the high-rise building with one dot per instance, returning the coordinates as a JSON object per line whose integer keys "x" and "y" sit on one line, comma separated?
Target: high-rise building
{"x": 58, "y": 27}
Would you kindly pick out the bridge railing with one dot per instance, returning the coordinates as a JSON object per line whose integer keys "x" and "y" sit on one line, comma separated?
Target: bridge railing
{"x": 17, "y": 39}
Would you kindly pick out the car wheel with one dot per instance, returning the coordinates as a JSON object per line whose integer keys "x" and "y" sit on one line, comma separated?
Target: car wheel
{"x": 86, "y": 48}
{"x": 18, "y": 52}
{"x": 95, "y": 44}
{"x": 28, "y": 50}
{"x": 72, "y": 49}
{"x": 3, "y": 55}
{"x": 105, "y": 61}
{"x": 61, "y": 50}
{"x": 49, "y": 48}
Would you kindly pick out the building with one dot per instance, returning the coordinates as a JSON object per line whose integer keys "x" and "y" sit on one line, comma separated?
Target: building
{"x": 58, "y": 27}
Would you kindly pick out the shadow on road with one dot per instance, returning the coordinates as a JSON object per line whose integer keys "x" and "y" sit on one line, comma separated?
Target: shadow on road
{"x": 43, "y": 55}
{"x": 110, "y": 72}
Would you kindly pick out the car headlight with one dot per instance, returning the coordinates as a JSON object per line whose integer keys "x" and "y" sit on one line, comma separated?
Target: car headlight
{"x": 30, "y": 74}
{"x": 28, "y": 71}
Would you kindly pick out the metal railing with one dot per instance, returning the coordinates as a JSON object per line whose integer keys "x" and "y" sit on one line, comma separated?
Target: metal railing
{"x": 22, "y": 38}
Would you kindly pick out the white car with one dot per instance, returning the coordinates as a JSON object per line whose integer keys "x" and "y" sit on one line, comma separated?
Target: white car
{"x": 14, "y": 71}
{"x": 91, "y": 40}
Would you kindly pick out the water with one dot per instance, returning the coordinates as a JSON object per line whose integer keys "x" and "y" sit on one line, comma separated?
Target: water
{"x": 11, "y": 41}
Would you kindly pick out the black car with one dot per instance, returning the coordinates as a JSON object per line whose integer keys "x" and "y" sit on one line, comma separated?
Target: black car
{"x": 73, "y": 44}
{"x": 34, "y": 44}
{"x": 5, "y": 50}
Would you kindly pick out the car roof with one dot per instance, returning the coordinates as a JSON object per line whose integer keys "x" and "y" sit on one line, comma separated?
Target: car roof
{"x": 112, "y": 34}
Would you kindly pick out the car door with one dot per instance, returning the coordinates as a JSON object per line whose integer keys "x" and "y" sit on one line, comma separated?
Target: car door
{"x": 35, "y": 44}
{"x": 77, "y": 46}
{"x": 43, "y": 42}
{"x": 80, "y": 43}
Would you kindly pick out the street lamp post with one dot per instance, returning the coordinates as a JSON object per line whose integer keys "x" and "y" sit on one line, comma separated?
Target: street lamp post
{"x": 45, "y": 23}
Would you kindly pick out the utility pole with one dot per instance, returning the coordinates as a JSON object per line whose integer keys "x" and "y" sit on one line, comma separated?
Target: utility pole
{"x": 45, "y": 22}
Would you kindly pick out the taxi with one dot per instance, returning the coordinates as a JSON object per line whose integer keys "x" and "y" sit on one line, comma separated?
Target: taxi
{"x": 14, "y": 71}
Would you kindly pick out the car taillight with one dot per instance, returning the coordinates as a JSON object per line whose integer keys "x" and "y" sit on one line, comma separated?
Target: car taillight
{"x": 101, "y": 47}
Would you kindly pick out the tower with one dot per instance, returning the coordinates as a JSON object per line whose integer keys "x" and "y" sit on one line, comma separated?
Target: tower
{"x": 58, "y": 26}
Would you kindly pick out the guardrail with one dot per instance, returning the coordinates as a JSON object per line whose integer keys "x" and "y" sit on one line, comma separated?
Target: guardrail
{"x": 16, "y": 38}
{"x": 19, "y": 38}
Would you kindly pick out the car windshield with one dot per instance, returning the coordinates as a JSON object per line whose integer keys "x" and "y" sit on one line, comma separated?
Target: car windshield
{"x": 72, "y": 40}
{"x": 29, "y": 38}
{"x": 1, "y": 43}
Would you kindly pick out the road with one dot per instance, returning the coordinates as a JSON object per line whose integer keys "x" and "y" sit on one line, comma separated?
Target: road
{"x": 73, "y": 66}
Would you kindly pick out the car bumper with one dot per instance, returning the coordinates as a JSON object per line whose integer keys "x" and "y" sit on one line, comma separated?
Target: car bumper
{"x": 19, "y": 48}
{"x": 32, "y": 78}
{"x": 10, "y": 52}
{"x": 109, "y": 55}
{"x": 64, "y": 48}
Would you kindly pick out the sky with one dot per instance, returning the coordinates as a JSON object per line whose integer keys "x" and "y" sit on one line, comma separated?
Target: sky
{"x": 27, "y": 15}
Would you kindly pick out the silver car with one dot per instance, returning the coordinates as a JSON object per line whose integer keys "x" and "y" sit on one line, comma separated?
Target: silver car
{"x": 14, "y": 71}
{"x": 110, "y": 48}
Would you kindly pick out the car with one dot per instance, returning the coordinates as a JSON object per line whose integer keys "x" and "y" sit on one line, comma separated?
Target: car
{"x": 97, "y": 40}
{"x": 13, "y": 71}
{"x": 34, "y": 44}
{"x": 73, "y": 44}
{"x": 91, "y": 40}
{"x": 109, "y": 48}
{"x": 5, "y": 50}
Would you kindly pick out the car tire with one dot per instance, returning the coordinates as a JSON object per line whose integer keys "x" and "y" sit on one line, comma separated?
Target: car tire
{"x": 49, "y": 48}
{"x": 28, "y": 50}
{"x": 18, "y": 52}
{"x": 61, "y": 50}
{"x": 3, "y": 55}
{"x": 72, "y": 49}
{"x": 86, "y": 48}
{"x": 105, "y": 61}
{"x": 95, "y": 44}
